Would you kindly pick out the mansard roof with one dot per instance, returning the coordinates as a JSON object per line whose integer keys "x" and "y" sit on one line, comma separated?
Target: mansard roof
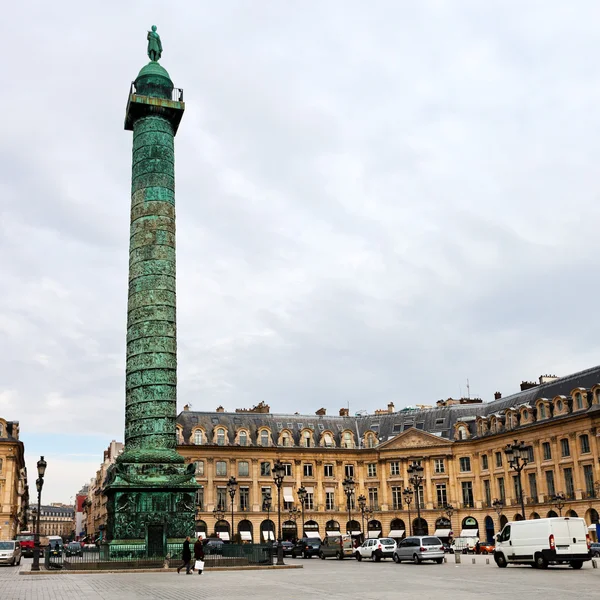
{"x": 439, "y": 421}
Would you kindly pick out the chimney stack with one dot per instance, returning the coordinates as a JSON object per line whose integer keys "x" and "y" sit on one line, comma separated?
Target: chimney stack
{"x": 321, "y": 412}
{"x": 220, "y": 409}
{"x": 391, "y": 407}
{"x": 344, "y": 412}
{"x": 497, "y": 395}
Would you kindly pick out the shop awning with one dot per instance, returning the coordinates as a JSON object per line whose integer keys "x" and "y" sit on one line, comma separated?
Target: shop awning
{"x": 288, "y": 494}
{"x": 224, "y": 535}
{"x": 246, "y": 535}
{"x": 592, "y": 527}
{"x": 356, "y": 533}
{"x": 396, "y": 533}
{"x": 472, "y": 533}
{"x": 444, "y": 532}
{"x": 333, "y": 532}
{"x": 313, "y": 534}
{"x": 374, "y": 533}
{"x": 268, "y": 535}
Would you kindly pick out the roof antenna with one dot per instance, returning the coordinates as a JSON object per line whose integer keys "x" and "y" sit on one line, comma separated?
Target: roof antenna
{"x": 468, "y": 389}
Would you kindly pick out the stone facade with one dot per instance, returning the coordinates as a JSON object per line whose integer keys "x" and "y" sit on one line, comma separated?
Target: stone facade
{"x": 57, "y": 519}
{"x": 459, "y": 444}
{"x": 14, "y": 492}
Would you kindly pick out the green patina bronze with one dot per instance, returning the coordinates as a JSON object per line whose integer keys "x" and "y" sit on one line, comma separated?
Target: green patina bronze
{"x": 150, "y": 489}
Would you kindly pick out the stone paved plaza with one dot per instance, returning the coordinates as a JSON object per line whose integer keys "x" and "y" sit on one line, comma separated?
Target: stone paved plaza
{"x": 318, "y": 579}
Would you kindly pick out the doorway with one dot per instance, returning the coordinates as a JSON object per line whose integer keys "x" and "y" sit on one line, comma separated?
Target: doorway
{"x": 156, "y": 540}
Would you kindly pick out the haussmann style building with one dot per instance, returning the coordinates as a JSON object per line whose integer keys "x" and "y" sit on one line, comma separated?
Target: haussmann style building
{"x": 468, "y": 485}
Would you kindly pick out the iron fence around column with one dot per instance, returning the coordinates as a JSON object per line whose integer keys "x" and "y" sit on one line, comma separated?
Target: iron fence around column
{"x": 136, "y": 556}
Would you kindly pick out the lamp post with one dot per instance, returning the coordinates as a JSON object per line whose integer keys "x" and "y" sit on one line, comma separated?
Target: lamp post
{"x": 349, "y": 484}
{"x": 278, "y": 475}
{"x": 302, "y": 497}
{"x": 407, "y": 496}
{"x": 449, "y": 511}
{"x": 219, "y": 514}
{"x": 267, "y": 502}
{"x": 39, "y": 484}
{"x": 518, "y": 457}
{"x": 558, "y": 501}
{"x": 362, "y": 504}
{"x": 232, "y": 488}
{"x": 415, "y": 473}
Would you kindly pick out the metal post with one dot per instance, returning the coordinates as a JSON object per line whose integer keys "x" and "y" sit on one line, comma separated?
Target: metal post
{"x": 278, "y": 475}
{"x": 415, "y": 478}
{"x": 39, "y": 484}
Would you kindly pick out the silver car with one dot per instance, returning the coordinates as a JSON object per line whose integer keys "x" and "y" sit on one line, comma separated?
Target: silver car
{"x": 420, "y": 548}
{"x": 10, "y": 553}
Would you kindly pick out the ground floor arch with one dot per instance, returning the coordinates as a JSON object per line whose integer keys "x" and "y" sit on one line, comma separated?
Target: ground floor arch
{"x": 551, "y": 514}
{"x": 222, "y": 530}
{"x": 518, "y": 517}
{"x": 332, "y": 527}
{"x": 245, "y": 531}
{"x": 289, "y": 530}
{"x": 469, "y": 527}
{"x": 572, "y": 513}
{"x": 534, "y": 515}
{"x": 443, "y": 528}
{"x": 311, "y": 529}
{"x": 397, "y": 529}
{"x": 420, "y": 527}
{"x": 374, "y": 528}
{"x": 591, "y": 517}
{"x": 488, "y": 524}
{"x": 201, "y": 529}
{"x": 353, "y": 528}
{"x": 267, "y": 531}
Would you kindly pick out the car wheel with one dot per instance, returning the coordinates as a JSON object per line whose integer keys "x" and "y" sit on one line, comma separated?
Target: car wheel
{"x": 340, "y": 556}
{"x": 439, "y": 561}
{"x": 19, "y": 561}
{"x": 484, "y": 552}
{"x": 358, "y": 556}
{"x": 576, "y": 564}
{"x": 293, "y": 555}
{"x": 500, "y": 560}
{"x": 416, "y": 559}
{"x": 540, "y": 561}
{"x": 396, "y": 559}
{"x": 321, "y": 556}
{"x": 596, "y": 554}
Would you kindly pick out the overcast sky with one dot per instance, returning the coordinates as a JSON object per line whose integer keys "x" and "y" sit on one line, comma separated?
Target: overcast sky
{"x": 375, "y": 201}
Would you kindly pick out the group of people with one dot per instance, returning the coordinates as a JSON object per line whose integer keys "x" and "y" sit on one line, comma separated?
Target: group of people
{"x": 186, "y": 557}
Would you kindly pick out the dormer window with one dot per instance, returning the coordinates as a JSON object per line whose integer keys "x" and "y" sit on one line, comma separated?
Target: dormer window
{"x": 264, "y": 438}
{"x": 220, "y": 437}
{"x": 243, "y": 437}
{"x": 559, "y": 405}
{"x": 306, "y": 439}
{"x": 197, "y": 437}
{"x": 578, "y": 401}
{"x": 285, "y": 439}
{"x": 542, "y": 411}
{"x": 348, "y": 442}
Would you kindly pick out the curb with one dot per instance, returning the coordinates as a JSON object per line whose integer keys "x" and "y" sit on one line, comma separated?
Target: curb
{"x": 171, "y": 570}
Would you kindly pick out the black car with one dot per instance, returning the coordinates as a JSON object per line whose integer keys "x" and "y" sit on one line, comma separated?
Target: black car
{"x": 212, "y": 545}
{"x": 74, "y": 549}
{"x": 306, "y": 547}
{"x": 288, "y": 548}
{"x": 595, "y": 549}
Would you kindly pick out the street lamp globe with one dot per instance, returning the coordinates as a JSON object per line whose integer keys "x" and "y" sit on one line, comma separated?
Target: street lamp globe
{"x": 41, "y": 467}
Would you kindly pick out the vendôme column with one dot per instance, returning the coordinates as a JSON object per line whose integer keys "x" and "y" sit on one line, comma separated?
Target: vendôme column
{"x": 151, "y": 491}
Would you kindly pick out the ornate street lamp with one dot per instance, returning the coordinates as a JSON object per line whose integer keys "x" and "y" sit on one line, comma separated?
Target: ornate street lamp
{"x": 518, "y": 457}
{"x": 232, "y": 489}
{"x": 415, "y": 477}
{"x": 294, "y": 513}
{"x": 558, "y": 501}
{"x": 349, "y": 484}
{"x": 449, "y": 511}
{"x": 302, "y": 497}
{"x": 362, "y": 504}
{"x": 39, "y": 484}
{"x": 278, "y": 475}
{"x": 218, "y": 513}
{"x": 407, "y": 496}
{"x": 498, "y": 506}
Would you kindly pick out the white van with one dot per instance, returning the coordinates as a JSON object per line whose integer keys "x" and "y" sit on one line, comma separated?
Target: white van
{"x": 540, "y": 542}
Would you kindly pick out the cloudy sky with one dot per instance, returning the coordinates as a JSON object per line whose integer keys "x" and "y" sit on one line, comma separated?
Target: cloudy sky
{"x": 376, "y": 201}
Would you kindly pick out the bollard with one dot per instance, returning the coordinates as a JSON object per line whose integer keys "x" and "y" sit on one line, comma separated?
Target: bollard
{"x": 487, "y": 561}
{"x": 457, "y": 558}
{"x": 594, "y": 563}
{"x": 473, "y": 560}
{"x": 445, "y": 559}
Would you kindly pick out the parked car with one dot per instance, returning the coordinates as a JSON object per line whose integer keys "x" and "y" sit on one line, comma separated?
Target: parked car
{"x": 595, "y": 549}
{"x": 464, "y": 545}
{"x": 10, "y": 552}
{"x": 306, "y": 547}
{"x": 338, "y": 546}
{"x": 420, "y": 548}
{"x": 73, "y": 549}
{"x": 484, "y": 548}
{"x": 448, "y": 548}
{"x": 376, "y": 549}
{"x": 541, "y": 542}
{"x": 213, "y": 545}
{"x": 288, "y": 547}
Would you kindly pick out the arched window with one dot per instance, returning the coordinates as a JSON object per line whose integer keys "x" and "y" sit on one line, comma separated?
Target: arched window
{"x": 0, "y": 465}
{"x": 348, "y": 443}
{"x": 264, "y": 438}
{"x": 542, "y": 411}
{"x": 578, "y": 401}
{"x": 197, "y": 437}
{"x": 462, "y": 433}
{"x": 371, "y": 441}
{"x": 179, "y": 435}
{"x": 199, "y": 467}
{"x": 285, "y": 439}
{"x": 243, "y": 437}
{"x": 1, "y": 430}
{"x": 220, "y": 437}
{"x": 306, "y": 439}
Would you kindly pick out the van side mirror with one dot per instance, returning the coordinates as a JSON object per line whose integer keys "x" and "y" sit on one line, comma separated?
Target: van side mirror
{"x": 497, "y": 537}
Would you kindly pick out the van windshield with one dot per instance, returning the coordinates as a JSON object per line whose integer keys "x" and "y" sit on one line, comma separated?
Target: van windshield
{"x": 7, "y": 545}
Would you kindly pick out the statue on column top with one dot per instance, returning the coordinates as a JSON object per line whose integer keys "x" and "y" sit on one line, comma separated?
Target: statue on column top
{"x": 154, "y": 45}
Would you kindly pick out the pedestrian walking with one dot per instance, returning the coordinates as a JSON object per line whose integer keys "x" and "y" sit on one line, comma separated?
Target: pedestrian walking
{"x": 199, "y": 556}
{"x": 186, "y": 557}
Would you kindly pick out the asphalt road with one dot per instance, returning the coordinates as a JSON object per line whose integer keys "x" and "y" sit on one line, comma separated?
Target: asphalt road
{"x": 330, "y": 579}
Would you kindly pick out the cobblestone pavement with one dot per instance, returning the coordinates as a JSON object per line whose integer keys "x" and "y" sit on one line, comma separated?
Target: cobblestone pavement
{"x": 331, "y": 579}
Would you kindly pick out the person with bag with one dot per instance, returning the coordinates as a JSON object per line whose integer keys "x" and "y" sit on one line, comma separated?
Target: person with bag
{"x": 186, "y": 557}
{"x": 199, "y": 556}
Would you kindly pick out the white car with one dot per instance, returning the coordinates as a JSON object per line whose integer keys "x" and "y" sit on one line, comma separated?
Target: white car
{"x": 10, "y": 553}
{"x": 376, "y": 549}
